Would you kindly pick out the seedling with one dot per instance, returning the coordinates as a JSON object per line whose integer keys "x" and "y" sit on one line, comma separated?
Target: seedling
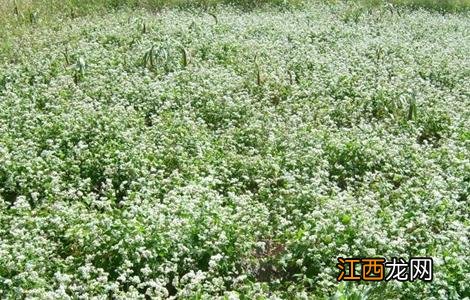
{"x": 412, "y": 109}
{"x": 292, "y": 77}
{"x": 154, "y": 58}
{"x": 16, "y": 11}
{"x": 79, "y": 72}
{"x": 143, "y": 27}
{"x": 33, "y": 17}
{"x": 66, "y": 56}
{"x": 185, "y": 56}
{"x": 193, "y": 26}
{"x": 215, "y": 18}
{"x": 257, "y": 71}
{"x": 149, "y": 58}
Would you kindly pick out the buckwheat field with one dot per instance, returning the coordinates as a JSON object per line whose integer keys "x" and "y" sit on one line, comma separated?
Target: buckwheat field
{"x": 226, "y": 153}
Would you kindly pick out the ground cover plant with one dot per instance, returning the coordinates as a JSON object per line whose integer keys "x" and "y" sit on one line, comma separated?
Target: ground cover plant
{"x": 234, "y": 154}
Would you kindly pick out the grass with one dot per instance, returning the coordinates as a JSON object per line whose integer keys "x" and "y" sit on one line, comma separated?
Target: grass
{"x": 437, "y": 5}
{"x": 433, "y": 5}
{"x": 29, "y": 11}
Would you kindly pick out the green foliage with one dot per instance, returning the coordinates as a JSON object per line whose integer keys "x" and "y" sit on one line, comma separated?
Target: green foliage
{"x": 438, "y": 5}
{"x": 432, "y": 5}
{"x": 230, "y": 153}
{"x": 28, "y": 11}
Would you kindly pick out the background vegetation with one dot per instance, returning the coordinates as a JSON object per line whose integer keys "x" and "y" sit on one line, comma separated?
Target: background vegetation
{"x": 25, "y": 10}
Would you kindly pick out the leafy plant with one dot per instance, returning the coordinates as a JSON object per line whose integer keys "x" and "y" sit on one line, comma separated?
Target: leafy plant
{"x": 79, "y": 70}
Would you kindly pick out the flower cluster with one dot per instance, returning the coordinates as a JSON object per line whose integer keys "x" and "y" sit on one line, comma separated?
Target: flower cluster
{"x": 234, "y": 154}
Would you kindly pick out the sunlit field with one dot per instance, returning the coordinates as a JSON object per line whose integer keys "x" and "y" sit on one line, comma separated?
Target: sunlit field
{"x": 233, "y": 151}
